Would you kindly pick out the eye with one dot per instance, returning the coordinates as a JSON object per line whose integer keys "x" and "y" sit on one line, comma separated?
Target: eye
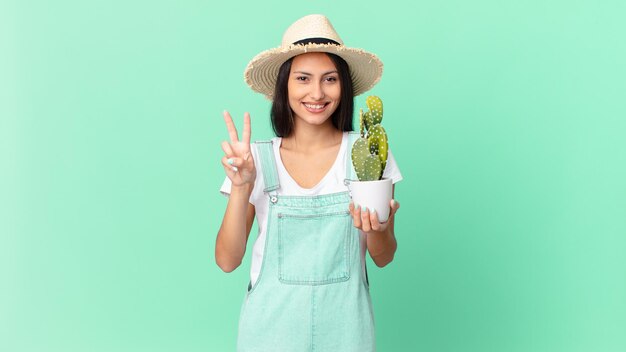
{"x": 331, "y": 79}
{"x": 301, "y": 78}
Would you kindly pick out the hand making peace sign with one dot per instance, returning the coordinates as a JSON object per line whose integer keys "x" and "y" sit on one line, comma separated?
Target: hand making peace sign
{"x": 238, "y": 161}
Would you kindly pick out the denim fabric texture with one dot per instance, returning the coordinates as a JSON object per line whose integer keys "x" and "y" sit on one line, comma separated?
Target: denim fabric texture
{"x": 312, "y": 293}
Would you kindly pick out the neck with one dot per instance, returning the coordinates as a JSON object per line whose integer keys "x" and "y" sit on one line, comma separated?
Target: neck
{"x": 307, "y": 137}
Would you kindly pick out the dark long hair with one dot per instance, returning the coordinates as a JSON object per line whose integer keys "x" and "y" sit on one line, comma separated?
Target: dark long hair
{"x": 282, "y": 116}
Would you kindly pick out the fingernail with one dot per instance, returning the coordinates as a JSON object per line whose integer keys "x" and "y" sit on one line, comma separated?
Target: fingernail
{"x": 235, "y": 168}
{"x": 393, "y": 202}
{"x": 229, "y": 161}
{"x": 365, "y": 209}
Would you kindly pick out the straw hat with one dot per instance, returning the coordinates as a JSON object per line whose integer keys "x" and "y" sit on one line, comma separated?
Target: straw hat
{"x": 312, "y": 33}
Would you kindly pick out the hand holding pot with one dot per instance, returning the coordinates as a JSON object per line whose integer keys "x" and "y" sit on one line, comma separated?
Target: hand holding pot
{"x": 367, "y": 221}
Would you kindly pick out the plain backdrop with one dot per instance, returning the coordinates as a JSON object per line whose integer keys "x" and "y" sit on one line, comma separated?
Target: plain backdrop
{"x": 507, "y": 119}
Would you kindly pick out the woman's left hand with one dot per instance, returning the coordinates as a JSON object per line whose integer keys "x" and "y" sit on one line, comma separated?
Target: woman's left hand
{"x": 367, "y": 221}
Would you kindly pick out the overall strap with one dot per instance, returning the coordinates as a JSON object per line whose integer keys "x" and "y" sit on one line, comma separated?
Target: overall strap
{"x": 268, "y": 165}
{"x": 350, "y": 173}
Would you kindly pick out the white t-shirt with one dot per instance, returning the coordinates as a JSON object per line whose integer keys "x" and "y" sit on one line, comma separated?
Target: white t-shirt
{"x": 332, "y": 182}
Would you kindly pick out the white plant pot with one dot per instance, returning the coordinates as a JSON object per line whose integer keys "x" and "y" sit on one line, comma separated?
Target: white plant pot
{"x": 373, "y": 195}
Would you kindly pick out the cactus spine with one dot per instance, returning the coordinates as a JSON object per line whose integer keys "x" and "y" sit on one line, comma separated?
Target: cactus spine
{"x": 369, "y": 153}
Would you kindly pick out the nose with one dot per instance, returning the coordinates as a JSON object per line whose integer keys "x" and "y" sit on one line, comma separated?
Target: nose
{"x": 317, "y": 91}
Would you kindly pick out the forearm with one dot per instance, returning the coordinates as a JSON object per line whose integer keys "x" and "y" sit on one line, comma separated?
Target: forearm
{"x": 232, "y": 237}
{"x": 382, "y": 245}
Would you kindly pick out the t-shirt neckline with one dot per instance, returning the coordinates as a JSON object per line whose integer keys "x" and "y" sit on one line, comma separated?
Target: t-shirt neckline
{"x": 323, "y": 180}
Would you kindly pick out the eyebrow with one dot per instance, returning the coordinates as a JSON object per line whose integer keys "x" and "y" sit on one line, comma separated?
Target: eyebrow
{"x": 309, "y": 74}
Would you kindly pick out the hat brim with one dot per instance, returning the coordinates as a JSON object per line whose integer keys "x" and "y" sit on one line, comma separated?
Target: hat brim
{"x": 365, "y": 68}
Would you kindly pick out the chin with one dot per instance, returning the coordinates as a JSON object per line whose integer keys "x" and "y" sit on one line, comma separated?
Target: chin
{"x": 316, "y": 120}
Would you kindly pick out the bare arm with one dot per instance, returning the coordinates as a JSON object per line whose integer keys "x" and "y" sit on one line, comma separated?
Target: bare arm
{"x": 230, "y": 245}
{"x": 381, "y": 239}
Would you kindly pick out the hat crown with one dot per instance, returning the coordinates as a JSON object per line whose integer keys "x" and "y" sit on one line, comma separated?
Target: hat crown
{"x": 311, "y": 26}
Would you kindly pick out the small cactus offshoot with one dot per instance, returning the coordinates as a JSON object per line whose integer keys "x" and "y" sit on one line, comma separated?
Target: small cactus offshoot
{"x": 369, "y": 153}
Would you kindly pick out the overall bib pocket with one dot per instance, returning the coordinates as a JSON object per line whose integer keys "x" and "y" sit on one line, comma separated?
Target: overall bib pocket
{"x": 313, "y": 249}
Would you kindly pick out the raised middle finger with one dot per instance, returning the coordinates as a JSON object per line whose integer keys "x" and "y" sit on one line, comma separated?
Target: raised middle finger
{"x": 246, "y": 128}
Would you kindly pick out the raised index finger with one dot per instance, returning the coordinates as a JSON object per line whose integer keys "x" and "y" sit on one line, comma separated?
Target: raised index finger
{"x": 246, "y": 128}
{"x": 232, "y": 130}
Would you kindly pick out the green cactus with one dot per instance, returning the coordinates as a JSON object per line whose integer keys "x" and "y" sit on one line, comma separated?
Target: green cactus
{"x": 366, "y": 121}
{"x": 360, "y": 152}
{"x": 369, "y": 153}
{"x": 362, "y": 123}
{"x": 376, "y": 109}
{"x": 378, "y": 143}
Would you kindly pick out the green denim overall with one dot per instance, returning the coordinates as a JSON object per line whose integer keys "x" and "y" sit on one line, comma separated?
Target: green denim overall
{"x": 312, "y": 293}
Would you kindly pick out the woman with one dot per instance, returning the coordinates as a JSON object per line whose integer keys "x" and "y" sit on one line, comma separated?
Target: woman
{"x": 308, "y": 288}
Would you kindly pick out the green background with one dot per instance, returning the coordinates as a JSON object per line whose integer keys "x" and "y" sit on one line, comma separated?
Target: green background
{"x": 507, "y": 118}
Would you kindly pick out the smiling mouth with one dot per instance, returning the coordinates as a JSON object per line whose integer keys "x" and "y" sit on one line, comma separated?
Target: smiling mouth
{"x": 315, "y": 107}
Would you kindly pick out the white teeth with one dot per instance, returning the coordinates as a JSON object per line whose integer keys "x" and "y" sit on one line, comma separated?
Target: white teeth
{"x": 311, "y": 106}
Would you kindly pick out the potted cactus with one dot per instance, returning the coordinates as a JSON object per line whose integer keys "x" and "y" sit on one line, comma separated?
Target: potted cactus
{"x": 369, "y": 157}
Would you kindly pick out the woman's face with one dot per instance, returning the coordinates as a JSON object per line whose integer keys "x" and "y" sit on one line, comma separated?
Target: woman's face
{"x": 314, "y": 88}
